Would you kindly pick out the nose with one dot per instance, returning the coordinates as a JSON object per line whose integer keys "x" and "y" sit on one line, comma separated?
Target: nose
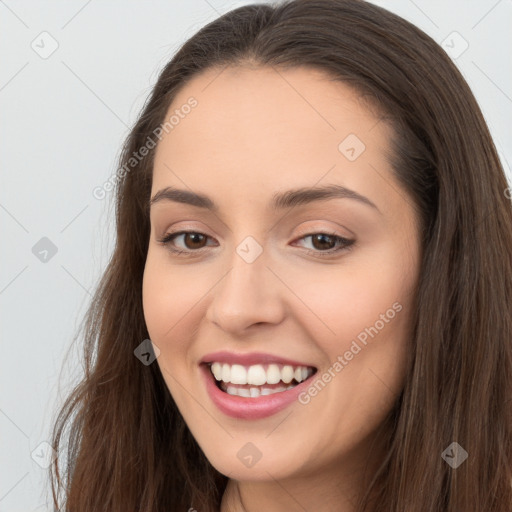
{"x": 248, "y": 294}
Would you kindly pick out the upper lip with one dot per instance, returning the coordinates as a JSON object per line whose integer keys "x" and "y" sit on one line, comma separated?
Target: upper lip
{"x": 250, "y": 358}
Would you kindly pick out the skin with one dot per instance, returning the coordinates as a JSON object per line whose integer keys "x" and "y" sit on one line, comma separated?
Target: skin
{"x": 256, "y": 131}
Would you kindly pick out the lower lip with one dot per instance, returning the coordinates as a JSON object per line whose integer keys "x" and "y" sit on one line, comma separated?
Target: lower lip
{"x": 250, "y": 408}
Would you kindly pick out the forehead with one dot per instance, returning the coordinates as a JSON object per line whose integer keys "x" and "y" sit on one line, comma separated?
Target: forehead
{"x": 255, "y": 130}
{"x": 256, "y": 104}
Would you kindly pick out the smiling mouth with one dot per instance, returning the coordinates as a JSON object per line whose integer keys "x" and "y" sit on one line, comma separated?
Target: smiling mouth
{"x": 258, "y": 380}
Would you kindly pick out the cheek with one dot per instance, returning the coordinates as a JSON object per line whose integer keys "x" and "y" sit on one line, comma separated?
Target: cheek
{"x": 164, "y": 307}
{"x": 166, "y": 299}
{"x": 352, "y": 301}
{"x": 174, "y": 302}
{"x": 158, "y": 300}
{"x": 171, "y": 297}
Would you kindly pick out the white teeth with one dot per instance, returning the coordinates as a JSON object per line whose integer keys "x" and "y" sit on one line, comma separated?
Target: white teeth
{"x": 244, "y": 392}
{"x": 231, "y": 390}
{"x": 217, "y": 371}
{"x": 226, "y": 372}
{"x": 287, "y": 374}
{"x": 257, "y": 375}
{"x": 255, "y": 392}
{"x": 273, "y": 374}
{"x": 238, "y": 374}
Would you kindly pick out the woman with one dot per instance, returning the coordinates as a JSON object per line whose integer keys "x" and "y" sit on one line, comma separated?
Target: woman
{"x": 314, "y": 232}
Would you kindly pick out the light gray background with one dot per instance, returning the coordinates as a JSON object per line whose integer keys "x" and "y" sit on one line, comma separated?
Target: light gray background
{"x": 64, "y": 118}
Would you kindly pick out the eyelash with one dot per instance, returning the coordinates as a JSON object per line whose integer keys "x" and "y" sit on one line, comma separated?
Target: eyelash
{"x": 346, "y": 244}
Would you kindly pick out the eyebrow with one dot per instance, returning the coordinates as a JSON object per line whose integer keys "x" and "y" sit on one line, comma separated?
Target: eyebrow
{"x": 280, "y": 200}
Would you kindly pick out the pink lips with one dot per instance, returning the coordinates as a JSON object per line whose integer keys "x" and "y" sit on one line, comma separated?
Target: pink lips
{"x": 249, "y": 359}
{"x": 249, "y": 408}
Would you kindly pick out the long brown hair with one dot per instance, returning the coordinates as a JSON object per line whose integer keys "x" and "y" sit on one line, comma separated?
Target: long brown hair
{"x": 128, "y": 448}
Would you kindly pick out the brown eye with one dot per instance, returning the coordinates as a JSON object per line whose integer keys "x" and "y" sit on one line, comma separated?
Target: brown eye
{"x": 326, "y": 244}
{"x": 192, "y": 241}
{"x": 321, "y": 242}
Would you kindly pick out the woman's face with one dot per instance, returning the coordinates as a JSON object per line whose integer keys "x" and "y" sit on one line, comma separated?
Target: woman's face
{"x": 264, "y": 291}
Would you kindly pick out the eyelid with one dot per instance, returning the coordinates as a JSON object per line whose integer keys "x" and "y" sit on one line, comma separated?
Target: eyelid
{"x": 327, "y": 230}
{"x": 301, "y": 231}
